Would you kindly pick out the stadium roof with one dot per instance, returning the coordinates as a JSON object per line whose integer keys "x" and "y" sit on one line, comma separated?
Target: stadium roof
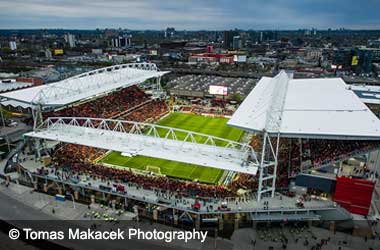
{"x": 366, "y": 93}
{"x": 12, "y": 85}
{"x": 158, "y": 142}
{"x": 312, "y": 108}
{"x": 85, "y": 85}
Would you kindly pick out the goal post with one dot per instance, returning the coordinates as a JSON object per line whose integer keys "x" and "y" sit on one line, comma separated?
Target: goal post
{"x": 154, "y": 169}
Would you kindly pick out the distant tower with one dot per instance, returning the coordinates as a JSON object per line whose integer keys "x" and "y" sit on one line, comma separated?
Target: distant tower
{"x": 236, "y": 42}
{"x": 48, "y": 54}
{"x": 13, "y": 45}
{"x": 210, "y": 49}
{"x": 129, "y": 40}
{"x": 70, "y": 39}
{"x": 170, "y": 32}
{"x": 228, "y": 36}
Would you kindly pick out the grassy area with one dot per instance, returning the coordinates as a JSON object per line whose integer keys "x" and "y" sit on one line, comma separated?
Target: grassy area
{"x": 207, "y": 125}
{"x": 215, "y": 126}
{"x": 168, "y": 168}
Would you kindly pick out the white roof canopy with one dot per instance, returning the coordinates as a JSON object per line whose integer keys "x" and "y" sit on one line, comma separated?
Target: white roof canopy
{"x": 158, "y": 142}
{"x": 85, "y": 85}
{"x": 367, "y": 93}
{"x": 8, "y": 86}
{"x": 313, "y": 108}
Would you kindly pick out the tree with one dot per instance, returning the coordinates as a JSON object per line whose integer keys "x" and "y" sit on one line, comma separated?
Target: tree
{"x": 236, "y": 97}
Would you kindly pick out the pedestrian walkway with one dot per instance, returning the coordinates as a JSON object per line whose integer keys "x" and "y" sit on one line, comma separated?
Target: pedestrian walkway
{"x": 66, "y": 210}
{"x": 306, "y": 239}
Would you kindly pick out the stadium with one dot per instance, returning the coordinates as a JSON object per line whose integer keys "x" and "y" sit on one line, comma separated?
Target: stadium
{"x": 293, "y": 150}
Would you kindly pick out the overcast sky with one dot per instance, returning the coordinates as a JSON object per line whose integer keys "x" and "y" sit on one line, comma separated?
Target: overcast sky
{"x": 190, "y": 14}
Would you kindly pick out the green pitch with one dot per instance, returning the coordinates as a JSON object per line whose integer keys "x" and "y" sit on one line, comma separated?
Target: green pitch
{"x": 197, "y": 123}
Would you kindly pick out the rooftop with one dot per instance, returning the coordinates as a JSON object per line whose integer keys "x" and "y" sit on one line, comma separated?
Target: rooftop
{"x": 85, "y": 85}
{"x": 313, "y": 108}
{"x": 9, "y": 85}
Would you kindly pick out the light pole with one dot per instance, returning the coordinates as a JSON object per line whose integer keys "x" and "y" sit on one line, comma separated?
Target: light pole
{"x": 3, "y": 121}
{"x": 72, "y": 197}
{"x": 216, "y": 237}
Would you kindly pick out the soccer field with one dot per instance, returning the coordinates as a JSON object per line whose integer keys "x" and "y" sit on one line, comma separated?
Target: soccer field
{"x": 208, "y": 125}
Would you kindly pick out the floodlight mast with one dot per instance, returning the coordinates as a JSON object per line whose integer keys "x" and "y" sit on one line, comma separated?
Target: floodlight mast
{"x": 269, "y": 155}
{"x": 37, "y": 115}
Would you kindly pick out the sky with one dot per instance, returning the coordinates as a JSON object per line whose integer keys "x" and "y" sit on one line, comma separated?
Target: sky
{"x": 190, "y": 14}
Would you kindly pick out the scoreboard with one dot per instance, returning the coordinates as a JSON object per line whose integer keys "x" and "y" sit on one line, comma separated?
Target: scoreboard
{"x": 217, "y": 90}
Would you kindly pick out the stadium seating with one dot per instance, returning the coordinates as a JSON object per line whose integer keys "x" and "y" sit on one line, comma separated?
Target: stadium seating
{"x": 199, "y": 83}
{"x": 105, "y": 107}
{"x": 316, "y": 153}
{"x": 152, "y": 111}
{"x": 79, "y": 158}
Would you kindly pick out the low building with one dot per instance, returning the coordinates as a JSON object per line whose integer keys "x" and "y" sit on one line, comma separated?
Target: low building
{"x": 211, "y": 58}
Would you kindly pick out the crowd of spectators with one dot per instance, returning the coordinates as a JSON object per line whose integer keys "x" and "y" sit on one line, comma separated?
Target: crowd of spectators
{"x": 81, "y": 158}
{"x": 107, "y": 106}
{"x": 312, "y": 153}
{"x": 152, "y": 111}
{"x": 73, "y": 160}
{"x": 256, "y": 142}
{"x": 324, "y": 151}
{"x": 80, "y": 161}
{"x": 213, "y": 111}
{"x": 77, "y": 153}
{"x": 245, "y": 181}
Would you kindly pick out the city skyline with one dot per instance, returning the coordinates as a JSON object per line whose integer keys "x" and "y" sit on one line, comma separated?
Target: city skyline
{"x": 189, "y": 15}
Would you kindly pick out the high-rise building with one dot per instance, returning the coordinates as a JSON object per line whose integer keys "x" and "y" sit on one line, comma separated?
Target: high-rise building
{"x": 121, "y": 41}
{"x": 363, "y": 58}
{"x": 70, "y": 39}
{"x": 228, "y": 37}
{"x": 170, "y": 32}
{"x": 342, "y": 58}
{"x": 13, "y": 45}
{"x": 236, "y": 42}
{"x": 48, "y": 54}
{"x": 359, "y": 60}
{"x": 115, "y": 42}
{"x": 374, "y": 43}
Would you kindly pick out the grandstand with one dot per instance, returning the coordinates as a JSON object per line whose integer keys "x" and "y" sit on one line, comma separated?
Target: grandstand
{"x": 129, "y": 145}
{"x": 198, "y": 85}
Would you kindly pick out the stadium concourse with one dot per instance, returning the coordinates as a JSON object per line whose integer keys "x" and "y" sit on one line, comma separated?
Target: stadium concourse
{"x": 127, "y": 181}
